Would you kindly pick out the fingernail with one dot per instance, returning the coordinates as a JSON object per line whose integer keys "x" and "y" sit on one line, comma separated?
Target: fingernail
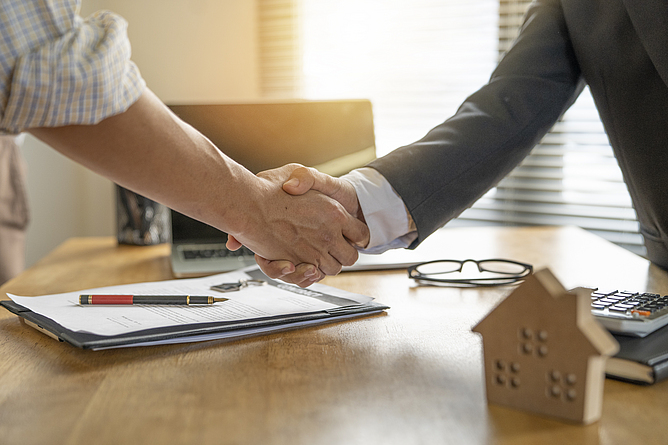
{"x": 311, "y": 271}
{"x": 286, "y": 270}
{"x": 293, "y": 182}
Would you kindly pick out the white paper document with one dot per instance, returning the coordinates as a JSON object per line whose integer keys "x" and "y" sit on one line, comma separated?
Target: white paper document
{"x": 249, "y": 303}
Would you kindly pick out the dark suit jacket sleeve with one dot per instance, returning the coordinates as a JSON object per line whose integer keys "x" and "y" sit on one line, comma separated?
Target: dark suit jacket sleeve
{"x": 444, "y": 173}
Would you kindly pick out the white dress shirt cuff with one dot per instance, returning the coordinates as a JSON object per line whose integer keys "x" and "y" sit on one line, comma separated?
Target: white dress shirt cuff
{"x": 384, "y": 211}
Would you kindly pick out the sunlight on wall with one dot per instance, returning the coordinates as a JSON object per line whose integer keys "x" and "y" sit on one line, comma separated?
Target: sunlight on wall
{"x": 415, "y": 62}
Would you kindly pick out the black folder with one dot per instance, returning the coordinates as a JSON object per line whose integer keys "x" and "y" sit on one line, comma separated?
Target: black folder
{"x": 190, "y": 332}
{"x": 640, "y": 360}
{"x": 215, "y": 330}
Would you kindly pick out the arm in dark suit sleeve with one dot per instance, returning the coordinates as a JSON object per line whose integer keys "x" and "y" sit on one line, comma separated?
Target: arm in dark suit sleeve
{"x": 444, "y": 173}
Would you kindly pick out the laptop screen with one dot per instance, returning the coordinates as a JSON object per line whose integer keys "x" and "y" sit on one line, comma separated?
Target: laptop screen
{"x": 188, "y": 230}
{"x": 332, "y": 136}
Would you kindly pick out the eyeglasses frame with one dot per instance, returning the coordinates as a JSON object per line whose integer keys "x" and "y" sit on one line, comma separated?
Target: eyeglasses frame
{"x": 498, "y": 281}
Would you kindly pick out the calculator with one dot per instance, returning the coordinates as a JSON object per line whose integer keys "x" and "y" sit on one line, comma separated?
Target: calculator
{"x": 630, "y": 313}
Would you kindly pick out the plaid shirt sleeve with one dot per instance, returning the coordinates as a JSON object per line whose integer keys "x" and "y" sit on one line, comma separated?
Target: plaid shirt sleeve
{"x": 59, "y": 69}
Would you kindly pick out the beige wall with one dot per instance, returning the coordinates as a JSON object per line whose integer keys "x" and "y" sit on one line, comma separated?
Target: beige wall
{"x": 195, "y": 50}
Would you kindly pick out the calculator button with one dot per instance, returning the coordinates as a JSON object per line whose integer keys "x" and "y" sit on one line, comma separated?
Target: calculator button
{"x": 607, "y": 300}
{"x": 641, "y": 313}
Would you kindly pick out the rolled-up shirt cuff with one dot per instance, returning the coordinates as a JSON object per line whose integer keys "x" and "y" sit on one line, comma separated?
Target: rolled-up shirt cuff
{"x": 390, "y": 224}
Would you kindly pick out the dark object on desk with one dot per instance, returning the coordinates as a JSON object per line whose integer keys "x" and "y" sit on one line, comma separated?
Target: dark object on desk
{"x": 492, "y": 272}
{"x": 640, "y": 360}
{"x": 238, "y": 285}
{"x": 140, "y": 221}
{"x": 199, "y": 249}
{"x": 630, "y": 313}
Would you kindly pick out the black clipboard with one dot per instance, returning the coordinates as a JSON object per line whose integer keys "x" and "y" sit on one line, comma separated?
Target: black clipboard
{"x": 235, "y": 330}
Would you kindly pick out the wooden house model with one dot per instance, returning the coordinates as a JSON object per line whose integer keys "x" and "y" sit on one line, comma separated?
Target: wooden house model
{"x": 544, "y": 352}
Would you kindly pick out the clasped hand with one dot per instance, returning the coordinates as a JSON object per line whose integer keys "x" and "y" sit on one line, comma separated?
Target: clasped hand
{"x": 319, "y": 226}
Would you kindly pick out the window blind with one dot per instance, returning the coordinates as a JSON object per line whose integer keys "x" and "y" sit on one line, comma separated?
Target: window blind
{"x": 279, "y": 50}
{"x": 417, "y": 61}
{"x": 570, "y": 178}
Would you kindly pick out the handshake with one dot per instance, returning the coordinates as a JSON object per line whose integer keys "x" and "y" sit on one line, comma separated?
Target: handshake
{"x": 309, "y": 227}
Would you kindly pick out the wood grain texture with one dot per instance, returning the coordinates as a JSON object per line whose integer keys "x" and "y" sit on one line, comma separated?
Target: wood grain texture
{"x": 412, "y": 376}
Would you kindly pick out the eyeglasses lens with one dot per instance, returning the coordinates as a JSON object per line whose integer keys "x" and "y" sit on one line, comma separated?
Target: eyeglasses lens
{"x": 439, "y": 267}
{"x": 502, "y": 267}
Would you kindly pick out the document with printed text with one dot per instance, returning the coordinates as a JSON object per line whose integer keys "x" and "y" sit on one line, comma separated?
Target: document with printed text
{"x": 253, "y": 306}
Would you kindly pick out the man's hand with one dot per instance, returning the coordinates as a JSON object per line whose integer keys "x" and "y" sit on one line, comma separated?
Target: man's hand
{"x": 302, "y": 179}
{"x": 315, "y": 228}
{"x": 298, "y": 180}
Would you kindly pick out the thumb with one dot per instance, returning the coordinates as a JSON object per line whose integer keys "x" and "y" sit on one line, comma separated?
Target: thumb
{"x": 301, "y": 180}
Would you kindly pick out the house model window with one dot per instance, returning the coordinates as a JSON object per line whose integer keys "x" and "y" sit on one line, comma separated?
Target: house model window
{"x": 544, "y": 352}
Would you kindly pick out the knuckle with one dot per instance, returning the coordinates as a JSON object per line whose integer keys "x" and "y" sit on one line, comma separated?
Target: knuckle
{"x": 331, "y": 268}
{"x": 273, "y": 269}
{"x": 336, "y": 213}
{"x": 328, "y": 238}
{"x": 270, "y": 272}
{"x": 351, "y": 258}
{"x": 300, "y": 170}
{"x": 290, "y": 279}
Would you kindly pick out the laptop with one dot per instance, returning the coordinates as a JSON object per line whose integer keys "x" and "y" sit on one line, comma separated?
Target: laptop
{"x": 333, "y": 136}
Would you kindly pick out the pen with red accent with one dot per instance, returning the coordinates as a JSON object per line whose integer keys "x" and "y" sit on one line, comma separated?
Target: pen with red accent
{"x": 149, "y": 299}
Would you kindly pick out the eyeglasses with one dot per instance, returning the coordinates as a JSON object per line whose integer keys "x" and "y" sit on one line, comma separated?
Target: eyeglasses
{"x": 492, "y": 272}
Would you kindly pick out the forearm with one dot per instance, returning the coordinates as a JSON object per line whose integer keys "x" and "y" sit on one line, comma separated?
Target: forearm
{"x": 149, "y": 150}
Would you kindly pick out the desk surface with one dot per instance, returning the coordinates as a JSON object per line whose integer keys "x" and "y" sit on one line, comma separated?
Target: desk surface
{"x": 413, "y": 376}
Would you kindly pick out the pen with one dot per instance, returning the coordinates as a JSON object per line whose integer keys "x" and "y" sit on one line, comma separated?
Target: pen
{"x": 149, "y": 299}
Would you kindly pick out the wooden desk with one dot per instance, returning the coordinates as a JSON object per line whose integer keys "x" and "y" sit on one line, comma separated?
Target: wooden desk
{"x": 413, "y": 376}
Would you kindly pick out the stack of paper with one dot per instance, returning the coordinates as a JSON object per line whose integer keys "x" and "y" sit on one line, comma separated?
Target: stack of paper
{"x": 250, "y": 311}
